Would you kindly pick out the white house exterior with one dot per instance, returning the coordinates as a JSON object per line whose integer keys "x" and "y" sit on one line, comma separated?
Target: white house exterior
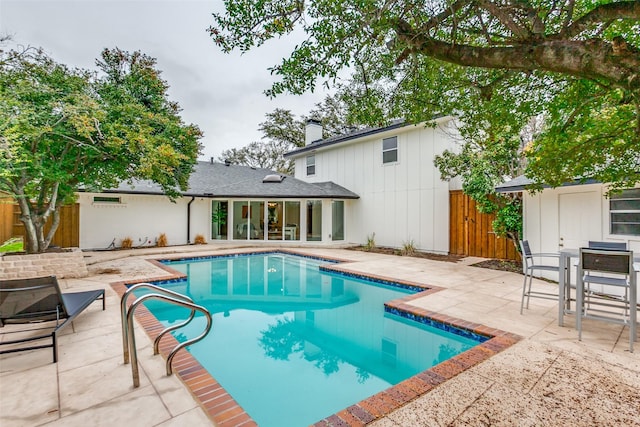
{"x": 108, "y": 218}
{"x": 257, "y": 205}
{"x": 572, "y": 215}
{"x": 402, "y": 197}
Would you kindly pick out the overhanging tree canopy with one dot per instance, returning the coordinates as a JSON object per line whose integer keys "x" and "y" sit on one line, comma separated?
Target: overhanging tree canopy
{"x": 576, "y": 63}
{"x": 63, "y": 129}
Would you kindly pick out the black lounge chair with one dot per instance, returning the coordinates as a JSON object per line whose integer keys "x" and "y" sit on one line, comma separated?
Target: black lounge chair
{"x": 38, "y": 300}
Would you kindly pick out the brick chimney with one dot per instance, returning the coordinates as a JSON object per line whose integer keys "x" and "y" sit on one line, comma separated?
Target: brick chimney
{"x": 312, "y": 131}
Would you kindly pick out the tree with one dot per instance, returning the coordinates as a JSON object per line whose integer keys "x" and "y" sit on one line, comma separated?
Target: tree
{"x": 283, "y": 132}
{"x": 576, "y": 63}
{"x": 64, "y": 129}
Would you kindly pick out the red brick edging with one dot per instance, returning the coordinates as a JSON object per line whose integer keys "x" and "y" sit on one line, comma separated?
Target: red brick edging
{"x": 226, "y": 412}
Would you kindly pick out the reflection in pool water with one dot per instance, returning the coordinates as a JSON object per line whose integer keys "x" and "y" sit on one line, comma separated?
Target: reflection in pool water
{"x": 293, "y": 344}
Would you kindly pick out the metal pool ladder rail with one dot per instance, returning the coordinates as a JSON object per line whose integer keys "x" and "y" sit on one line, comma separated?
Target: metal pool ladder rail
{"x": 128, "y": 335}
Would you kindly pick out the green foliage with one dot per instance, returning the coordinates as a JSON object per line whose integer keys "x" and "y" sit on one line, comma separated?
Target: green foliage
{"x": 508, "y": 220}
{"x": 408, "y": 248}
{"x": 64, "y": 129}
{"x": 219, "y": 216}
{"x": 494, "y": 65}
{"x": 12, "y": 245}
{"x": 371, "y": 242}
{"x": 590, "y": 132}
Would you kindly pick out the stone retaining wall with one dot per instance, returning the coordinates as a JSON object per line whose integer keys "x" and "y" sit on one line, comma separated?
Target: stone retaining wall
{"x": 60, "y": 264}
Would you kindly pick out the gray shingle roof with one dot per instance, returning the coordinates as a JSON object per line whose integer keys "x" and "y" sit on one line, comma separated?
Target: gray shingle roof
{"x": 219, "y": 180}
{"x": 395, "y": 124}
{"x": 520, "y": 183}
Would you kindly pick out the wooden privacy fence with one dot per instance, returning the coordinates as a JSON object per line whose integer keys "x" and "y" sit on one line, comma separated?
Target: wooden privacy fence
{"x": 6, "y": 218}
{"x": 68, "y": 232}
{"x": 471, "y": 233}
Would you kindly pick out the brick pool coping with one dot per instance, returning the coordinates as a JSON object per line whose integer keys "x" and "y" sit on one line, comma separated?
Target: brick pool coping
{"x": 226, "y": 412}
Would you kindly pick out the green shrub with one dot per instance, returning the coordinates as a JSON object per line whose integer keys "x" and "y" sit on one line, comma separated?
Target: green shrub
{"x": 371, "y": 242}
{"x": 408, "y": 248}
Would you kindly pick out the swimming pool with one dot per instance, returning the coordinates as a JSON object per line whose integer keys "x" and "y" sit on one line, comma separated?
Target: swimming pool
{"x": 294, "y": 344}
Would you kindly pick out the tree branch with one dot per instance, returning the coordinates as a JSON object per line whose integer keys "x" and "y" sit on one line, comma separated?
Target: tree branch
{"x": 506, "y": 18}
{"x": 600, "y": 14}
{"x": 592, "y": 59}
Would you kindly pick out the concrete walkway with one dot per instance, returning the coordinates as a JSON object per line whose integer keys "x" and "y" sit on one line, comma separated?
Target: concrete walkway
{"x": 548, "y": 378}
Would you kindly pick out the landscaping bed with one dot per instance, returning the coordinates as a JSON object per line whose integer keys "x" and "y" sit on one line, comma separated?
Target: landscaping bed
{"x": 415, "y": 254}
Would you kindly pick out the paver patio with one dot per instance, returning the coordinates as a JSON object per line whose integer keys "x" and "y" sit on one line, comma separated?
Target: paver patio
{"x": 548, "y": 378}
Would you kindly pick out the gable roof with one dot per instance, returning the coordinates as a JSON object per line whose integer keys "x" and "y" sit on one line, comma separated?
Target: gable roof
{"x": 395, "y": 124}
{"x": 222, "y": 180}
{"x": 360, "y": 133}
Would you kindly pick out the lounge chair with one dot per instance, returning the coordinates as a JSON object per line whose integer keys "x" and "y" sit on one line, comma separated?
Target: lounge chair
{"x": 27, "y": 301}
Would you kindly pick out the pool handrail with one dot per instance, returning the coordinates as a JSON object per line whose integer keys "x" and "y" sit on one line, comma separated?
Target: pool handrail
{"x": 123, "y": 312}
{"x": 132, "y": 340}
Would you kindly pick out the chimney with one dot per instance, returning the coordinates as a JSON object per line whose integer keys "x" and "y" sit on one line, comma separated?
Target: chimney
{"x": 312, "y": 131}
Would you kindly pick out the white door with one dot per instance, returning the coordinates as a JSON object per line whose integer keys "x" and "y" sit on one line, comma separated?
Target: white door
{"x": 580, "y": 218}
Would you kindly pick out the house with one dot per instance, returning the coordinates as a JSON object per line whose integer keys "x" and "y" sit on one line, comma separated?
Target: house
{"x": 223, "y": 202}
{"x": 402, "y": 199}
{"x": 575, "y": 213}
{"x": 378, "y": 181}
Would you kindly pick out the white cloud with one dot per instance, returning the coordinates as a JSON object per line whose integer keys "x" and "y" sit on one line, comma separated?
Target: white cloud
{"x": 221, "y": 93}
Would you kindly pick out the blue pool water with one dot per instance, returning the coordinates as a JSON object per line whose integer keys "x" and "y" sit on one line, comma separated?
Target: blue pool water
{"x": 293, "y": 344}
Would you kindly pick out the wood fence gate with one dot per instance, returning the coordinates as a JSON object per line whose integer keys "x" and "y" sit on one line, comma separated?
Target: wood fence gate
{"x": 68, "y": 232}
{"x": 471, "y": 233}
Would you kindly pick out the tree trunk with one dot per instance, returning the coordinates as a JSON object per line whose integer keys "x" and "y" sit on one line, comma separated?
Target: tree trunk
{"x": 30, "y": 232}
{"x": 34, "y": 222}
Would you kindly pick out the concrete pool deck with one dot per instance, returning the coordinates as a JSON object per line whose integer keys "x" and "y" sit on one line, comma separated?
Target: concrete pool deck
{"x": 547, "y": 378}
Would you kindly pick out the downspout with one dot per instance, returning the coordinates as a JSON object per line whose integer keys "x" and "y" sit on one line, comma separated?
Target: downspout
{"x": 189, "y": 220}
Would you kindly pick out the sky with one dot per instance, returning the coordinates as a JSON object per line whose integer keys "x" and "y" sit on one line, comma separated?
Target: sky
{"x": 221, "y": 93}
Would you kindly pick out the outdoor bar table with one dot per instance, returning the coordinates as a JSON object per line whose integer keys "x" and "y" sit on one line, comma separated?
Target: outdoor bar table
{"x": 564, "y": 281}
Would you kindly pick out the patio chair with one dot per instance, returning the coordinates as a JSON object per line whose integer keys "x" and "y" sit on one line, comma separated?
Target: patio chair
{"x": 614, "y": 246}
{"x": 39, "y": 300}
{"x": 609, "y": 246}
{"x": 530, "y": 266}
{"x": 612, "y": 270}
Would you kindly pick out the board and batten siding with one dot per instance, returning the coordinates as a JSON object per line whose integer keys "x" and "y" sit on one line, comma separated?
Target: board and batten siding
{"x": 399, "y": 202}
{"x": 568, "y": 217}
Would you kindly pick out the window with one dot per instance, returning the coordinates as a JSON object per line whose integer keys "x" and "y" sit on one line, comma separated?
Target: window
{"x": 292, "y": 220}
{"x": 275, "y": 220}
{"x": 314, "y": 220}
{"x": 337, "y": 216}
{"x": 390, "y": 150}
{"x": 311, "y": 165}
{"x": 219, "y": 210}
{"x": 624, "y": 212}
{"x": 103, "y": 199}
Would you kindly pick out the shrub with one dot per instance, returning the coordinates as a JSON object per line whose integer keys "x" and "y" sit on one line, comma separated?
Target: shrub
{"x": 200, "y": 240}
{"x": 162, "y": 240}
{"x": 371, "y": 242}
{"x": 408, "y": 248}
{"x": 127, "y": 243}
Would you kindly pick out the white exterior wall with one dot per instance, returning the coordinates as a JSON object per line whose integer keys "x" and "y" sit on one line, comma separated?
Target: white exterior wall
{"x": 586, "y": 212}
{"x": 140, "y": 217}
{"x": 400, "y": 201}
